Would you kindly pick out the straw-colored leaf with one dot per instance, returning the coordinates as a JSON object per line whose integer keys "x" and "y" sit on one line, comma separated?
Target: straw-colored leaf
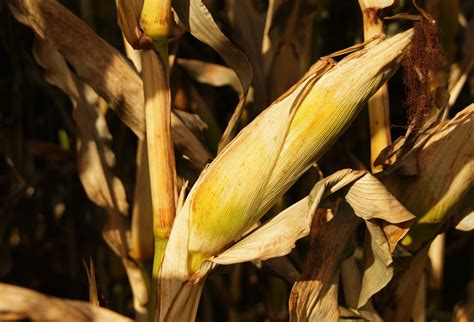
{"x": 404, "y": 288}
{"x": 377, "y": 263}
{"x": 90, "y": 272}
{"x": 467, "y": 222}
{"x": 96, "y": 161}
{"x": 17, "y": 303}
{"x": 94, "y": 60}
{"x": 198, "y": 20}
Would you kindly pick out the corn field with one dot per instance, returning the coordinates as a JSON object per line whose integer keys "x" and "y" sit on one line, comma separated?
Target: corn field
{"x": 238, "y": 160}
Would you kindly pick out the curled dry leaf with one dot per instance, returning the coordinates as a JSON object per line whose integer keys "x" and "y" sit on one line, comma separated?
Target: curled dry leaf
{"x": 17, "y": 303}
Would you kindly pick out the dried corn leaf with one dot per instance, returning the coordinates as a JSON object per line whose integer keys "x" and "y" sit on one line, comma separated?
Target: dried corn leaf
{"x": 403, "y": 289}
{"x": 102, "y": 67}
{"x": 96, "y": 161}
{"x": 90, "y": 271}
{"x": 198, "y": 20}
{"x": 17, "y": 303}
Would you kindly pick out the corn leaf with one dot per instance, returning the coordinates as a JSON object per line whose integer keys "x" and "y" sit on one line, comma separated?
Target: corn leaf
{"x": 18, "y": 303}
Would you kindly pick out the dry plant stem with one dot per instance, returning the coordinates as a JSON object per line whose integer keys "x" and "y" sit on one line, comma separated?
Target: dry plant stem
{"x": 160, "y": 153}
{"x": 160, "y": 148}
{"x": 379, "y": 109}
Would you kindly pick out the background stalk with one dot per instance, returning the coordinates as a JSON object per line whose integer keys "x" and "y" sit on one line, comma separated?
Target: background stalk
{"x": 378, "y": 104}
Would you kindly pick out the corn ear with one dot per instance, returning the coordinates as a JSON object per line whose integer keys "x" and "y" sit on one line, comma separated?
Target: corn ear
{"x": 272, "y": 152}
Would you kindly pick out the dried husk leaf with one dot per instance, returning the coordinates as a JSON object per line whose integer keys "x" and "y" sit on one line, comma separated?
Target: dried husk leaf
{"x": 95, "y": 61}
{"x": 198, "y": 20}
{"x": 403, "y": 289}
{"x": 17, "y": 303}
{"x": 314, "y": 296}
{"x": 278, "y": 236}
